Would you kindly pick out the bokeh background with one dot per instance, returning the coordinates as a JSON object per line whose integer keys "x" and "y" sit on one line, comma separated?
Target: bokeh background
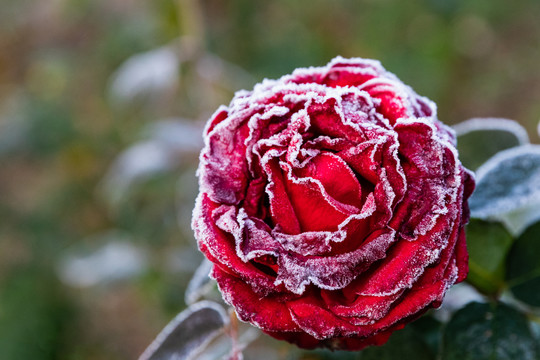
{"x": 102, "y": 103}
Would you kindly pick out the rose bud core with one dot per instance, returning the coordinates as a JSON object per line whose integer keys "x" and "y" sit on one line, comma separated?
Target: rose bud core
{"x": 332, "y": 204}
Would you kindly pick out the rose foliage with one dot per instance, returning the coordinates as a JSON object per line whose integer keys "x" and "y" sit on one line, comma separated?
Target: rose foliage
{"x": 332, "y": 204}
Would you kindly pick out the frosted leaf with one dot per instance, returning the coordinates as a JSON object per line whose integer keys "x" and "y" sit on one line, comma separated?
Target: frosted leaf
{"x": 199, "y": 283}
{"x": 138, "y": 162}
{"x": 481, "y": 138}
{"x": 142, "y": 159}
{"x": 184, "y": 259}
{"x": 508, "y": 188}
{"x": 168, "y": 143}
{"x": 216, "y": 70}
{"x": 518, "y": 220}
{"x": 180, "y": 135}
{"x": 481, "y": 124}
{"x": 222, "y": 347}
{"x": 117, "y": 259}
{"x": 149, "y": 73}
{"x": 188, "y": 333}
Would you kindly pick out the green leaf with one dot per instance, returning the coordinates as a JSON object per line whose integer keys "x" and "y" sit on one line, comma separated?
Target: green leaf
{"x": 481, "y": 138}
{"x": 523, "y": 268}
{"x": 493, "y": 331}
{"x": 418, "y": 341}
{"x": 488, "y": 244}
{"x": 403, "y": 344}
{"x": 430, "y": 330}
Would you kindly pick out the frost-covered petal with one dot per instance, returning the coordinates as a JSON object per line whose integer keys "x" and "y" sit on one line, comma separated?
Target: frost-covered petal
{"x": 266, "y": 313}
{"x": 220, "y": 248}
{"x": 223, "y": 166}
{"x": 332, "y": 272}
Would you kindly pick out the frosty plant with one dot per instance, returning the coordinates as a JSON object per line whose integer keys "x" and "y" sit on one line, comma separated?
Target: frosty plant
{"x": 332, "y": 209}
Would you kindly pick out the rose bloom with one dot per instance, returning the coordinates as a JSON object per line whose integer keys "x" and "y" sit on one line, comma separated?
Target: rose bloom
{"x": 332, "y": 204}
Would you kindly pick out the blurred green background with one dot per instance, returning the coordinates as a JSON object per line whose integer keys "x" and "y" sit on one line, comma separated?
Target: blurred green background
{"x": 101, "y": 107}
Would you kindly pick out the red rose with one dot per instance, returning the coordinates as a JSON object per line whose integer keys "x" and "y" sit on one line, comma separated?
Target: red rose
{"x": 332, "y": 204}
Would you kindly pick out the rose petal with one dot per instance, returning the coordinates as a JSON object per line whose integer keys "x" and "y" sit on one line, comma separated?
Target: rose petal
{"x": 315, "y": 209}
{"x": 326, "y": 121}
{"x": 406, "y": 261}
{"x": 267, "y": 313}
{"x": 220, "y": 247}
{"x": 311, "y": 316}
{"x": 326, "y": 168}
{"x": 223, "y": 168}
{"x": 364, "y": 310}
{"x": 281, "y": 209}
{"x": 332, "y": 272}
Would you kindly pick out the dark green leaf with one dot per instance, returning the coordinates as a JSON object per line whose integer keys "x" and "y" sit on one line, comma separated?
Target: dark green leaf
{"x": 418, "y": 341}
{"x": 523, "y": 269}
{"x": 481, "y": 138}
{"x": 403, "y": 344}
{"x": 430, "y": 330}
{"x": 493, "y": 331}
{"x": 488, "y": 244}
